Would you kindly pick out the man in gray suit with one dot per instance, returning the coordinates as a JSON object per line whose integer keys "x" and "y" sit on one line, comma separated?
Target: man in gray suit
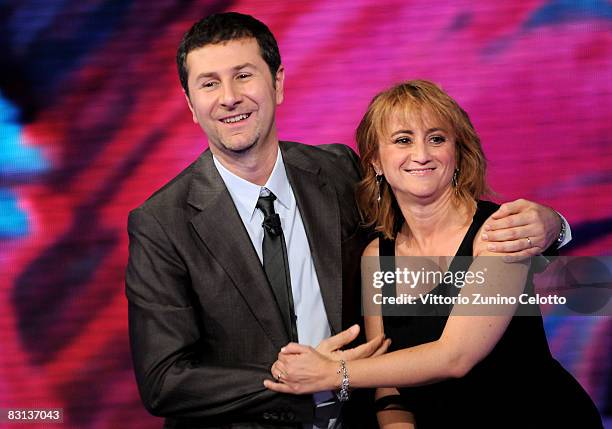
{"x": 255, "y": 244}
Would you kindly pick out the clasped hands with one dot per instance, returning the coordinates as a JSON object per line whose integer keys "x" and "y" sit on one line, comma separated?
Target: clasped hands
{"x": 303, "y": 369}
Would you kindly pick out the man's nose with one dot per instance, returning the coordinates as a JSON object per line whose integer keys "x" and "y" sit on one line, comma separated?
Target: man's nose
{"x": 230, "y": 96}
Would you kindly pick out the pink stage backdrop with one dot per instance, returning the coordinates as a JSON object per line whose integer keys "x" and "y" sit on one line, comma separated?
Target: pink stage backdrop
{"x": 93, "y": 120}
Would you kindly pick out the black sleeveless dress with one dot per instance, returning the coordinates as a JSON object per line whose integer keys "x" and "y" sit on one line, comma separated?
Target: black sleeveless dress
{"x": 519, "y": 384}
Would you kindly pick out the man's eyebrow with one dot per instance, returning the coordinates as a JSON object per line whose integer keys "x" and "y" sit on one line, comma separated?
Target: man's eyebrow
{"x": 242, "y": 66}
{"x": 204, "y": 75}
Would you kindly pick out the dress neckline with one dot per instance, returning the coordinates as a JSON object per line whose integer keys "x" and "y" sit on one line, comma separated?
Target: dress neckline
{"x": 482, "y": 212}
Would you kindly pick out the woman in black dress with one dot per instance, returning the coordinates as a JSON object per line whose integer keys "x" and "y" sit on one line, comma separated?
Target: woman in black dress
{"x": 455, "y": 363}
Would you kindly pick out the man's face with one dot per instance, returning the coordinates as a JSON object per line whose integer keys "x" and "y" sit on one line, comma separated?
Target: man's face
{"x": 232, "y": 95}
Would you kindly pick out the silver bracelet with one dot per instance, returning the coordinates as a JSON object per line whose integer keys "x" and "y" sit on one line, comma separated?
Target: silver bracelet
{"x": 562, "y": 232}
{"x": 343, "y": 393}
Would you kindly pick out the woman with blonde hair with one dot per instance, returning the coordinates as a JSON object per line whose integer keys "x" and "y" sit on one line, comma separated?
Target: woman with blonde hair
{"x": 452, "y": 362}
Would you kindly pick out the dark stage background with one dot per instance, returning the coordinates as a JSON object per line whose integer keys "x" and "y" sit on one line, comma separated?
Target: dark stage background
{"x": 93, "y": 120}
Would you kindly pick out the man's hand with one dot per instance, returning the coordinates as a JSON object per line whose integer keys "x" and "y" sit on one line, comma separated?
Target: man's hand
{"x": 521, "y": 229}
{"x": 300, "y": 369}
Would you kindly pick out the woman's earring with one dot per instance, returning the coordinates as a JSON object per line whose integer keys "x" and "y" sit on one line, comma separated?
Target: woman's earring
{"x": 455, "y": 177}
{"x": 379, "y": 180}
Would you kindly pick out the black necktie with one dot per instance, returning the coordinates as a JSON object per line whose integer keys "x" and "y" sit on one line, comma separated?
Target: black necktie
{"x": 276, "y": 263}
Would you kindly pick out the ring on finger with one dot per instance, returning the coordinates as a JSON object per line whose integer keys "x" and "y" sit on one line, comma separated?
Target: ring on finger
{"x": 529, "y": 241}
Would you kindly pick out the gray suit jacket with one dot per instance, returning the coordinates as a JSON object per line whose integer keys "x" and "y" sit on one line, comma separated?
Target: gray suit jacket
{"x": 204, "y": 325}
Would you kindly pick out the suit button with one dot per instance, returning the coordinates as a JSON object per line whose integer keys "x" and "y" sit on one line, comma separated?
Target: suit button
{"x": 290, "y": 416}
{"x": 274, "y": 416}
{"x": 266, "y": 416}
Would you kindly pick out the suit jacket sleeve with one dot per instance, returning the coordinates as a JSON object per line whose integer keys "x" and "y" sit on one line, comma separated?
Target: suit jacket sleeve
{"x": 173, "y": 375}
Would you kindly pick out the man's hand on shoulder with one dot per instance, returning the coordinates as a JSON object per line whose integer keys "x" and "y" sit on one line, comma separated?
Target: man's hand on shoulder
{"x": 521, "y": 229}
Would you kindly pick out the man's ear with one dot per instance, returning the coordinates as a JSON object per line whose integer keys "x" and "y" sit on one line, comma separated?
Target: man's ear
{"x": 279, "y": 83}
{"x": 193, "y": 115}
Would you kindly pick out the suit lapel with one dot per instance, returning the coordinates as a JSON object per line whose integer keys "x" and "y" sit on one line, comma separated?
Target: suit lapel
{"x": 318, "y": 206}
{"x": 219, "y": 226}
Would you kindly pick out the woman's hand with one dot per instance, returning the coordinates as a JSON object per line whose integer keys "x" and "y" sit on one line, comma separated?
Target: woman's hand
{"x": 331, "y": 347}
{"x": 303, "y": 369}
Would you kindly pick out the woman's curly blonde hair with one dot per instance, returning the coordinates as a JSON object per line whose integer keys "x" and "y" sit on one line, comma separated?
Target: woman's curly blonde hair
{"x": 418, "y": 97}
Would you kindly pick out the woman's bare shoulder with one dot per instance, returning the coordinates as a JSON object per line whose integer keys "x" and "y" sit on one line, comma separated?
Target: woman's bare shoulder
{"x": 372, "y": 248}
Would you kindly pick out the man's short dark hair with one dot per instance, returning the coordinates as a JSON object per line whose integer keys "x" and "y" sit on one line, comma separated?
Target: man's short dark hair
{"x": 223, "y": 27}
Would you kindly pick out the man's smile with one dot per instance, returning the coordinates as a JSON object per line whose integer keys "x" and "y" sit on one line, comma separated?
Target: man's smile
{"x": 235, "y": 118}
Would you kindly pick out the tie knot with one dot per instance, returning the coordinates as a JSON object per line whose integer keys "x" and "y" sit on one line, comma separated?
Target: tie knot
{"x": 266, "y": 204}
{"x": 271, "y": 223}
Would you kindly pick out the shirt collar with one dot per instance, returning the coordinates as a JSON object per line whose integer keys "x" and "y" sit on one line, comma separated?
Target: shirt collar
{"x": 245, "y": 194}
{"x": 278, "y": 183}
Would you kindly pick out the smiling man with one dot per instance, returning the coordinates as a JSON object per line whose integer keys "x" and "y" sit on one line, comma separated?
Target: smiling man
{"x": 234, "y": 103}
{"x": 247, "y": 249}
{"x": 255, "y": 244}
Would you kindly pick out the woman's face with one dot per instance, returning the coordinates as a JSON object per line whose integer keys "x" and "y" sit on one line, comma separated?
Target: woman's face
{"x": 417, "y": 156}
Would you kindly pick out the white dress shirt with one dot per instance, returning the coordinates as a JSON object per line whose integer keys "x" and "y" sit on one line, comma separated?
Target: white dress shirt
{"x": 312, "y": 323}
